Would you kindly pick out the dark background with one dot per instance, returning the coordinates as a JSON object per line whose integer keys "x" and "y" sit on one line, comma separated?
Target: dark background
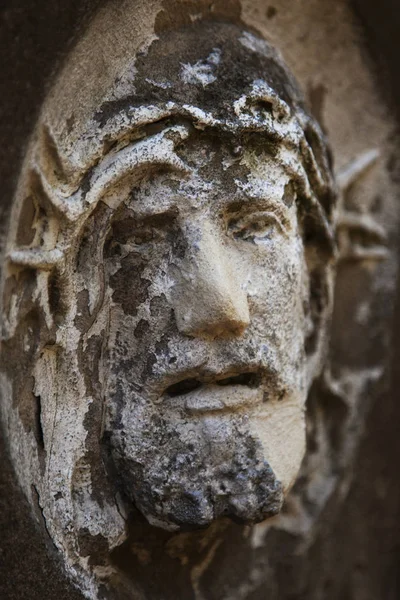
{"x": 364, "y": 545}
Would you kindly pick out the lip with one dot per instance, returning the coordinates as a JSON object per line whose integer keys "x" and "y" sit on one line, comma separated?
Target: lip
{"x": 224, "y": 392}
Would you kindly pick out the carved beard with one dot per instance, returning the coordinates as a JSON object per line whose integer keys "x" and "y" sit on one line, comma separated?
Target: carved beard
{"x": 183, "y": 473}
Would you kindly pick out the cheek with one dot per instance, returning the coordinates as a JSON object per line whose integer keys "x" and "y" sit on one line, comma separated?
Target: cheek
{"x": 281, "y": 430}
{"x": 139, "y": 317}
{"x": 276, "y": 289}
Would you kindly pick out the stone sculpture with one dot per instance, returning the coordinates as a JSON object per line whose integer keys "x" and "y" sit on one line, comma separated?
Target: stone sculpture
{"x": 167, "y": 296}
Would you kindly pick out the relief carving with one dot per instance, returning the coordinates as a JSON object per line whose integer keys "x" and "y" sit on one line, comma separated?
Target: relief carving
{"x": 167, "y": 295}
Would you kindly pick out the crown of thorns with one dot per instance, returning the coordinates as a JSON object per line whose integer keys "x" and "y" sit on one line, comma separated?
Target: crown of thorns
{"x": 140, "y": 136}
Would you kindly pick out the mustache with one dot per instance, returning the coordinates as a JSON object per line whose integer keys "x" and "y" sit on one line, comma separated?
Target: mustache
{"x": 258, "y": 365}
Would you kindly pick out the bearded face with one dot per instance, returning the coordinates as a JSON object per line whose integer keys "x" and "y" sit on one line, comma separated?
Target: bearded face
{"x": 206, "y": 302}
{"x": 169, "y": 287}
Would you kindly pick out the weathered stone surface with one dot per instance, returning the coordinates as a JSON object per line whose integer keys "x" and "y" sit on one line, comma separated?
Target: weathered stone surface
{"x": 102, "y": 446}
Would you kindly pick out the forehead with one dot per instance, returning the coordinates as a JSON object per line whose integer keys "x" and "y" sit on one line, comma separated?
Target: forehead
{"x": 220, "y": 172}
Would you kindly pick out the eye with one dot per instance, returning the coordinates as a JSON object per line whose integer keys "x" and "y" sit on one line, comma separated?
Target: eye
{"x": 135, "y": 232}
{"x": 255, "y": 227}
{"x": 130, "y": 233}
{"x": 141, "y": 236}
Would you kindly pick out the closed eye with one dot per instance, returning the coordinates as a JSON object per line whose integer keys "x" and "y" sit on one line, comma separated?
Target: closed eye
{"x": 257, "y": 226}
{"x": 132, "y": 231}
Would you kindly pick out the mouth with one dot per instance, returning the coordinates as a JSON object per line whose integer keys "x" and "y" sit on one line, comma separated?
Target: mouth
{"x": 221, "y": 393}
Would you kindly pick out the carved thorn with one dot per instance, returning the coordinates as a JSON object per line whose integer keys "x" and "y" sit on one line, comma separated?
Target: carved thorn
{"x": 364, "y": 223}
{"x": 372, "y": 245}
{"x": 359, "y": 253}
{"x": 36, "y": 258}
{"x": 356, "y": 168}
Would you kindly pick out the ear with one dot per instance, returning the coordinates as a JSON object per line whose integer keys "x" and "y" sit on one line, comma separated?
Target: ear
{"x": 359, "y": 236}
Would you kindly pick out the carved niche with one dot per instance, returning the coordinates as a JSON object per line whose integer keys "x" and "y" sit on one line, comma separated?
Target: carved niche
{"x": 166, "y": 296}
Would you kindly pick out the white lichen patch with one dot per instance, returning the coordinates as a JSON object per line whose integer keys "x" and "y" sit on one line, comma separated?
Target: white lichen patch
{"x": 203, "y": 71}
{"x": 255, "y": 44}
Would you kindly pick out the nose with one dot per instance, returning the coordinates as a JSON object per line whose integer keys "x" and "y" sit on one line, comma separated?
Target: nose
{"x": 209, "y": 300}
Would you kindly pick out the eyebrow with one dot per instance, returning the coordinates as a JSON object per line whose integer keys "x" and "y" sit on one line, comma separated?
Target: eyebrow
{"x": 165, "y": 204}
{"x": 260, "y": 204}
{"x": 262, "y": 201}
{"x": 155, "y": 216}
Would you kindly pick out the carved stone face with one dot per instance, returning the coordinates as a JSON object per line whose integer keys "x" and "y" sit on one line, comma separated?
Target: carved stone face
{"x": 169, "y": 288}
{"x": 207, "y": 288}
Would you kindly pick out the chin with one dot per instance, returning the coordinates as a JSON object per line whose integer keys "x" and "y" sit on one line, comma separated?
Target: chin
{"x": 194, "y": 470}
